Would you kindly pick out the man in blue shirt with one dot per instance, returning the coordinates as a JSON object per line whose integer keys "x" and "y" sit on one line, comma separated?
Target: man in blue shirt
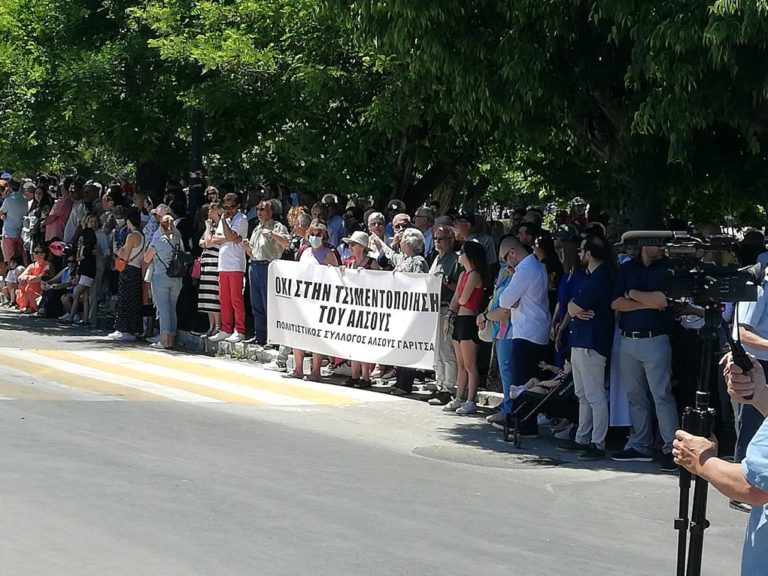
{"x": 645, "y": 354}
{"x": 590, "y": 340}
{"x": 746, "y": 482}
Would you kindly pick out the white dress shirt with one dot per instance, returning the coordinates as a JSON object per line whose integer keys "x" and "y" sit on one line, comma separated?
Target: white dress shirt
{"x": 526, "y": 297}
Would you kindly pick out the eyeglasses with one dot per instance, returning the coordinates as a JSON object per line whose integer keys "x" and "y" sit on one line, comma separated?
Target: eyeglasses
{"x": 376, "y": 223}
{"x": 401, "y": 226}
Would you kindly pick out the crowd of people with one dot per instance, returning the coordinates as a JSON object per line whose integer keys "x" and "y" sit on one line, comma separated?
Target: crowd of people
{"x": 581, "y": 331}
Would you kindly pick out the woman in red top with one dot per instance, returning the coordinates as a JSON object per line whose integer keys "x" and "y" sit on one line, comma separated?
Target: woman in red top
{"x": 463, "y": 310}
{"x": 31, "y": 282}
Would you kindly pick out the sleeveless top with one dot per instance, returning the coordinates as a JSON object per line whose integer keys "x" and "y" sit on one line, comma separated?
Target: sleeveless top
{"x": 319, "y": 257}
{"x": 133, "y": 257}
{"x": 476, "y": 299}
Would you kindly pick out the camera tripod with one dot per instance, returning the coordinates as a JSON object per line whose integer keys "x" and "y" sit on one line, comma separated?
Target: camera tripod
{"x": 699, "y": 421}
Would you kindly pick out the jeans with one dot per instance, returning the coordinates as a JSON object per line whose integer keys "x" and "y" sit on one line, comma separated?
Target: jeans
{"x": 589, "y": 385}
{"x": 232, "y": 303}
{"x": 165, "y": 293}
{"x": 526, "y": 356}
{"x": 504, "y": 358}
{"x": 645, "y": 364}
{"x": 258, "y": 276}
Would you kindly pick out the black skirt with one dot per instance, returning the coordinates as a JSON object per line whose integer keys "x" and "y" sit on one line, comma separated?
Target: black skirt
{"x": 128, "y": 317}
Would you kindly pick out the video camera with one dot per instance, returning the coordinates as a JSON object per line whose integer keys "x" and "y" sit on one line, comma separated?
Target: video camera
{"x": 701, "y": 282}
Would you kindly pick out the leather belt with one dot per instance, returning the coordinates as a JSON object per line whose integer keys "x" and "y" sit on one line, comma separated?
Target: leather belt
{"x": 638, "y": 334}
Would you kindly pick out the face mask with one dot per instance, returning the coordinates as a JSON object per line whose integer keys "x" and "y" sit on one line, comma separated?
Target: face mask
{"x": 120, "y": 221}
{"x": 315, "y": 241}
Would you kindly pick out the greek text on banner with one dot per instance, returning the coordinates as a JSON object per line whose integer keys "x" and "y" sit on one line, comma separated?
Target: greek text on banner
{"x": 365, "y": 315}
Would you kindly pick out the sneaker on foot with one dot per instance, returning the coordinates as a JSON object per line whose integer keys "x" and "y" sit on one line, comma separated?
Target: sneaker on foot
{"x": 571, "y": 446}
{"x": 157, "y": 346}
{"x": 542, "y": 420}
{"x": 515, "y": 391}
{"x": 275, "y": 366}
{"x": 564, "y": 434}
{"x": 219, "y": 336}
{"x": 234, "y": 338}
{"x": 668, "y": 463}
{"x": 389, "y": 374}
{"x": 376, "y": 372}
{"x": 631, "y": 455}
{"x": 63, "y": 317}
{"x": 115, "y": 335}
{"x": 592, "y": 453}
{"x": 153, "y": 339}
{"x": 453, "y": 405}
{"x": 126, "y": 338}
{"x": 468, "y": 407}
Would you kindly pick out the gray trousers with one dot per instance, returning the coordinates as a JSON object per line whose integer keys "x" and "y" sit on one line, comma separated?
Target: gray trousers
{"x": 589, "y": 385}
{"x": 645, "y": 365}
{"x": 165, "y": 293}
{"x": 445, "y": 357}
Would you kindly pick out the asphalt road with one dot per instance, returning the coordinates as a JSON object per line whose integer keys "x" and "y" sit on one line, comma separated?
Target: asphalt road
{"x": 125, "y": 486}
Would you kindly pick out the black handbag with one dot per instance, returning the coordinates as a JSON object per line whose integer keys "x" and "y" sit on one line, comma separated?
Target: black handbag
{"x": 180, "y": 264}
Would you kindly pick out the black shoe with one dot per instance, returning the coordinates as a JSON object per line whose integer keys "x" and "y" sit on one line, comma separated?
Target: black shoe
{"x": 571, "y": 446}
{"x": 363, "y": 384}
{"x": 668, "y": 463}
{"x": 592, "y": 453}
{"x": 351, "y": 382}
{"x": 631, "y": 455}
{"x": 740, "y": 506}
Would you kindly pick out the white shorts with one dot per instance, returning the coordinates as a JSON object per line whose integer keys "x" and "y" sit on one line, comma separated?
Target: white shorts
{"x": 86, "y": 281}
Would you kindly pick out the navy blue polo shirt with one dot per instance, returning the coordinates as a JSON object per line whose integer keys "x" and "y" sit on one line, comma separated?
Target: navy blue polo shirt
{"x": 634, "y": 275}
{"x": 594, "y": 294}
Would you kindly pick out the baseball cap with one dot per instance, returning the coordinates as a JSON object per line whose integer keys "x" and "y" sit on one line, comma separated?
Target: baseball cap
{"x": 161, "y": 210}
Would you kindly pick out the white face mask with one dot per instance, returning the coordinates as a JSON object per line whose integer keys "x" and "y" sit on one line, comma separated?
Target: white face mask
{"x": 120, "y": 221}
{"x": 315, "y": 241}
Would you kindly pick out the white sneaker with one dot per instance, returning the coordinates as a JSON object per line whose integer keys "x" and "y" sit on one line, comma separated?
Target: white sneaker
{"x": 153, "y": 339}
{"x": 389, "y": 374}
{"x": 376, "y": 372}
{"x": 468, "y": 407}
{"x": 275, "y": 366}
{"x": 235, "y": 338}
{"x": 564, "y": 434}
{"x": 127, "y": 338}
{"x": 115, "y": 335}
{"x": 453, "y": 405}
{"x": 343, "y": 370}
{"x": 543, "y": 421}
{"x": 157, "y": 346}
{"x": 515, "y": 391}
{"x": 219, "y": 336}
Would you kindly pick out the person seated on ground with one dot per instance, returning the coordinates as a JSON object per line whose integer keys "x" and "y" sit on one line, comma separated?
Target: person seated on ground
{"x": 12, "y": 281}
{"x": 357, "y": 244}
{"x": 56, "y": 287}
{"x": 320, "y": 253}
{"x": 30, "y": 281}
{"x": 531, "y": 399}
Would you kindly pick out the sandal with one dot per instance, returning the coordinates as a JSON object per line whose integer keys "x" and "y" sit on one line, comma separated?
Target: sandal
{"x": 314, "y": 378}
{"x": 293, "y": 374}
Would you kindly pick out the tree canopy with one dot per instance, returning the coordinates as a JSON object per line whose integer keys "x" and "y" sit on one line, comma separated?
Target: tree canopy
{"x": 652, "y": 108}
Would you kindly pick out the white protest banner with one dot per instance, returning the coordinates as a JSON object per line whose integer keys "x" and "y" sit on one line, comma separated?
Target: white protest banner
{"x": 364, "y": 315}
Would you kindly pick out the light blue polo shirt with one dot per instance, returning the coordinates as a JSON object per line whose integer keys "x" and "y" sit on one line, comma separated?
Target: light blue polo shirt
{"x": 754, "y": 560}
{"x": 755, "y": 315}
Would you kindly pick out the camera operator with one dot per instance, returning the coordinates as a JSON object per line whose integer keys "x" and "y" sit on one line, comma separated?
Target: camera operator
{"x": 746, "y": 482}
{"x": 645, "y": 354}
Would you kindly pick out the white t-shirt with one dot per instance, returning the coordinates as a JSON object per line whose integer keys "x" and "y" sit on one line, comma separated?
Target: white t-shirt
{"x": 232, "y": 254}
{"x": 79, "y": 210}
{"x": 15, "y": 208}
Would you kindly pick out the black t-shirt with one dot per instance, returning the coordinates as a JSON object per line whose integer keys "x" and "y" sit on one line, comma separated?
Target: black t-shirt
{"x": 86, "y": 246}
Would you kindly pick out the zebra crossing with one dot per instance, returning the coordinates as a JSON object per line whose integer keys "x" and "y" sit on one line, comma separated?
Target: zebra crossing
{"x": 133, "y": 374}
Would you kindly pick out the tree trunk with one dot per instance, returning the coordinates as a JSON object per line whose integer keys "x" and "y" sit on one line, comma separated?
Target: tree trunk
{"x": 151, "y": 178}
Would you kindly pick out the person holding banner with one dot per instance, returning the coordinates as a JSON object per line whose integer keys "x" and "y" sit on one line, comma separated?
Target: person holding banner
{"x": 467, "y": 302}
{"x": 358, "y": 243}
{"x": 319, "y": 252}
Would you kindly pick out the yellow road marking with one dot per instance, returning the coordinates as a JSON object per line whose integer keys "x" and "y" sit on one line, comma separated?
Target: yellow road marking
{"x": 77, "y": 381}
{"x": 149, "y": 377}
{"x": 312, "y": 396}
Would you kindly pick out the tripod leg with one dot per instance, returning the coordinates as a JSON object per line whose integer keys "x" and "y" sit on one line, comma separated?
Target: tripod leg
{"x": 681, "y": 522}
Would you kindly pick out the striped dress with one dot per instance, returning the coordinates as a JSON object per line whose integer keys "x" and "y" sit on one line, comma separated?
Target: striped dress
{"x": 208, "y": 291}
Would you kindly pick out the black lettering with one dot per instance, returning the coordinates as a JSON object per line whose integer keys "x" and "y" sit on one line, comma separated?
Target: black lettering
{"x": 322, "y": 313}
